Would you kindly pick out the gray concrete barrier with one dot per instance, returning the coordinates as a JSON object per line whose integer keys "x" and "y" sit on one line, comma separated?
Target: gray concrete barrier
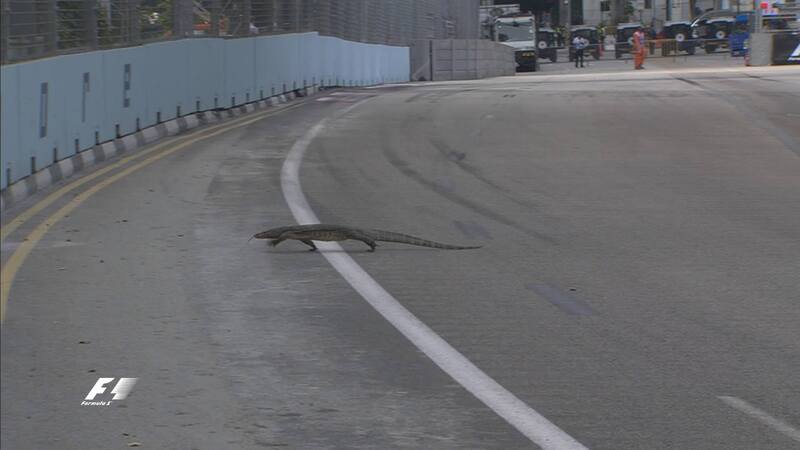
{"x": 774, "y": 49}
{"x": 460, "y": 59}
{"x": 760, "y": 49}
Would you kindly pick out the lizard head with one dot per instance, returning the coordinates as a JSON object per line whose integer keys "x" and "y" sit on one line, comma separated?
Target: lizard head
{"x": 273, "y": 233}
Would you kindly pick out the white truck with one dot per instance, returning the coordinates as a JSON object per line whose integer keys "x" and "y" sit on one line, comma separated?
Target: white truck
{"x": 518, "y": 32}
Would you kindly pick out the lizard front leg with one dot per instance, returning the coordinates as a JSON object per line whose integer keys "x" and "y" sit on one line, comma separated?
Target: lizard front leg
{"x": 365, "y": 239}
{"x": 281, "y": 238}
{"x": 310, "y": 243}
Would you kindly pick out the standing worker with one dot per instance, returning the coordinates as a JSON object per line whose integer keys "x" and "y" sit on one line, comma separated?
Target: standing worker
{"x": 638, "y": 48}
{"x": 579, "y": 43}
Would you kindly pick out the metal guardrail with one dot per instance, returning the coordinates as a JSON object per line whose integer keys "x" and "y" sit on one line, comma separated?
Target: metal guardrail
{"x": 38, "y": 28}
{"x": 655, "y": 48}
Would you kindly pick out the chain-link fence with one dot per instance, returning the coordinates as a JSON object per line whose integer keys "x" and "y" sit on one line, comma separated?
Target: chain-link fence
{"x": 38, "y": 28}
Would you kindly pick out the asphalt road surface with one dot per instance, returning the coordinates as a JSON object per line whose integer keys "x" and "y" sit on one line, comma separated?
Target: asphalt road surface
{"x": 638, "y": 285}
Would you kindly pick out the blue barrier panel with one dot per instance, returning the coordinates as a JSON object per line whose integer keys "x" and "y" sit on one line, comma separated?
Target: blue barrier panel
{"x": 13, "y": 160}
{"x": 327, "y": 60}
{"x": 239, "y": 63}
{"x": 41, "y": 115}
{"x": 53, "y": 107}
{"x": 164, "y": 70}
{"x": 80, "y": 93}
{"x": 267, "y": 77}
{"x": 124, "y": 90}
{"x": 206, "y": 74}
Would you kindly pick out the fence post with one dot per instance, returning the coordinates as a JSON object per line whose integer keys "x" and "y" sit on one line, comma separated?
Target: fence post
{"x": 181, "y": 18}
{"x": 90, "y": 22}
{"x": 245, "y": 18}
{"x": 51, "y": 45}
{"x": 4, "y": 33}
{"x": 134, "y": 22}
{"x": 214, "y": 7}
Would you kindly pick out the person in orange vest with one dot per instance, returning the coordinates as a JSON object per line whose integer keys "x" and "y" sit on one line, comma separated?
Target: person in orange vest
{"x": 638, "y": 48}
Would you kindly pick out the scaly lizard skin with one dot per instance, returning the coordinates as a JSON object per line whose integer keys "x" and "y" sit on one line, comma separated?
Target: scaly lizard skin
{"x": 307, "y": 234}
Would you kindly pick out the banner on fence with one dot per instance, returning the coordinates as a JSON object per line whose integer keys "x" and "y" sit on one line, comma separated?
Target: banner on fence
{"x": 786, "y": 49}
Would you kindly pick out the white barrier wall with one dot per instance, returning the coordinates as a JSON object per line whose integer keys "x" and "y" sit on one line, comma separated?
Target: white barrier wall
{"x": 53, "y": 108}
{"x": 460, "y": 59}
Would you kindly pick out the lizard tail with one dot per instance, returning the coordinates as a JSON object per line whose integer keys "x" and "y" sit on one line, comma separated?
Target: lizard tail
{"x": 390, "y": 236}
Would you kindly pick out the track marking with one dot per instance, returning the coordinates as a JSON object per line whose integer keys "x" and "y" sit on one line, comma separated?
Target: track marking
{"x": 560, "y": 299}
{"x": 26, "y": 215}
{"x": 761, "y": 416}
{"x": 27, "y": 245}
{"x": 521, "y": 416}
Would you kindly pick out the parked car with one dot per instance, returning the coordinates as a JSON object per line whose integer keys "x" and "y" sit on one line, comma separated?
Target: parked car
{"x": 713, "y": 32}
{"x": 625, "y": 38}
{"x": 681, "y": 33}
{"x": 517, "y": 32}
{"x": 547, "y": 43}
{"x": 591, "y": 35}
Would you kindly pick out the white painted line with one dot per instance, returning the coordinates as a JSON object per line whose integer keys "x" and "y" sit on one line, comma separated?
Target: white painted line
{"x": 524, "y": 418}
{"x": 150, "y": 134}
{"x": 67, "y": 167}
{"x": 192, "y": 121}
{"x": 87, "y": 157}
{"x": 129, "y": 142}
{"x": 43, "y": 178}
{"x": 351, "y": 94}
{"x": 109, "y": 149}
{"x": 763, "y": 417}
{"x": 172, "y": 127}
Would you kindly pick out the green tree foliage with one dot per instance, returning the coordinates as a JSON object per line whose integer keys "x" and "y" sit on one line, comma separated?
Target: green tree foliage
{"x": 628, "y": 10}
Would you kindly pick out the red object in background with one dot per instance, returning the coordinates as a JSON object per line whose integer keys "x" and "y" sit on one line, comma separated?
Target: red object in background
{"x": 764, "y": 5}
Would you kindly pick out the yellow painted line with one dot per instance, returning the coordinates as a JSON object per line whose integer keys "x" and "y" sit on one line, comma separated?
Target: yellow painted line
{"x": 23, "y": 217}
{"x": 24, "y": 249}
{"x": 50, "y": 199}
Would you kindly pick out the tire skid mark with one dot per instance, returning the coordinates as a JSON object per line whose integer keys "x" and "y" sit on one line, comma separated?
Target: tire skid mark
{"x": 458, "y": 158}
{"x": 406, "y": 170}
{"x": 472, "y": 230}
{"x": 745, "y": 108}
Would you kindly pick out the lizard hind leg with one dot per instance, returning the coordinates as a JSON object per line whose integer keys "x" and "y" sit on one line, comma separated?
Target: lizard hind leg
{"x": 310, "y": 243}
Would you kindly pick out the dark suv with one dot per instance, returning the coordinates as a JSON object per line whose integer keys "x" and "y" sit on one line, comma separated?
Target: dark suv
{"x": 625, "y": 38}
{"x": 713, "y": 32}
{"x": 681, "y": 32}
{"x": 547, "y": 40}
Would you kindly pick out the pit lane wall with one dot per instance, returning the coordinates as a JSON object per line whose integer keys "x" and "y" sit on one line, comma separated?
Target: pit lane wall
{"x": 55, "y": 108}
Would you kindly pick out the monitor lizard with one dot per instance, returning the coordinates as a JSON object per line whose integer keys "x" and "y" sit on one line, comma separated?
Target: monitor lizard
{"x": 307, "y": 234}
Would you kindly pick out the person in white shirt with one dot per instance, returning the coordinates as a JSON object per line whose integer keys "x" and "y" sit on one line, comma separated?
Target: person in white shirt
{"x": 579, "y": 43}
